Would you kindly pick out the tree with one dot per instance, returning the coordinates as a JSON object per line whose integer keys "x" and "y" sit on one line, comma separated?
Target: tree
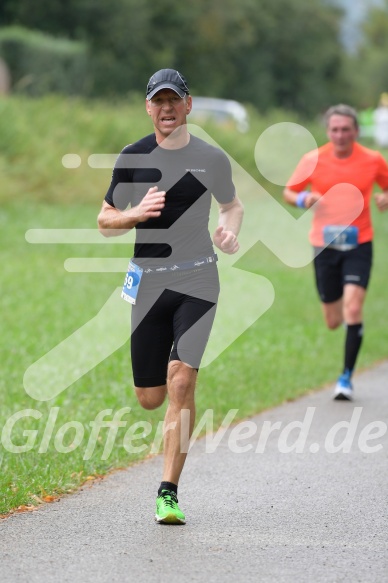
{"x": 368, "y": 68}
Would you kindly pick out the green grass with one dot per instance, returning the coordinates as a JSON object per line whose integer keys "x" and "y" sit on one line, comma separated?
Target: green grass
{"x": 286, "y": 352}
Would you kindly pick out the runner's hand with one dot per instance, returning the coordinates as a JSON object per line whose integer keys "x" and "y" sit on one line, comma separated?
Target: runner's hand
{"x": 150, "y": 206}
{"x": 311, "y": 199}
{"x": 225, "y": 240}
{"x": 382, "y": 201}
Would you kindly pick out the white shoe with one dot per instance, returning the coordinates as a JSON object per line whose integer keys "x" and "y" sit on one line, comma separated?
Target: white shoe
{"x": 343, "y": 389}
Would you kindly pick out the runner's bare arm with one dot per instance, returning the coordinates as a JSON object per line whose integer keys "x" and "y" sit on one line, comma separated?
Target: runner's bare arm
{"x": 229, "y": 224}
{"x": 381, "y": 200}
{"x": 112, "y": 221}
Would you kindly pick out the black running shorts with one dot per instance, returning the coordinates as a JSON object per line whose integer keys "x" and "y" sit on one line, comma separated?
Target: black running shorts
{"x": 172, "y": 320}
{"x": 334, "y": 269}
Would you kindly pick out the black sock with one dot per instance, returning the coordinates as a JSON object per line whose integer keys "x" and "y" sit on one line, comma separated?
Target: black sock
{"x": 354, "y": 333}
{"x": 168, "y": 486}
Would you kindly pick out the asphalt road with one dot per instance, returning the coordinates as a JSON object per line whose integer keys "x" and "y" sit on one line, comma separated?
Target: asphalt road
{"x": 302, "y": 504}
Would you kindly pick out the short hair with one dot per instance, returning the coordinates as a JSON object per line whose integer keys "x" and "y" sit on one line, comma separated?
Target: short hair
{"x": 342, "y": 109}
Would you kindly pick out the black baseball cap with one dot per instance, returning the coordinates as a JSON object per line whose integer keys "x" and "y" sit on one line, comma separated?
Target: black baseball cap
{"x": 167, "y": 79}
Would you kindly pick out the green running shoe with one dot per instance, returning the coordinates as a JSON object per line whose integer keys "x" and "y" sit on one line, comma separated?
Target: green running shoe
{"x": 167, "y": 509}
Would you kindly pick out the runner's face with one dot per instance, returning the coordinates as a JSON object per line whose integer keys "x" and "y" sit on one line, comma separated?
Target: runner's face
{"x": 168, "y": 111}
{"x": 342, "y": 133}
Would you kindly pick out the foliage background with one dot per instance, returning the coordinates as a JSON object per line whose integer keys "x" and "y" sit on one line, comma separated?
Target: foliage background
{"x": 270, "y": 54}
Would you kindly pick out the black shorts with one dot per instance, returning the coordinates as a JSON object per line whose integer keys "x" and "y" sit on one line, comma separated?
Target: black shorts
{"x": 334, "y": 269}
{"x": 172, "y": 320}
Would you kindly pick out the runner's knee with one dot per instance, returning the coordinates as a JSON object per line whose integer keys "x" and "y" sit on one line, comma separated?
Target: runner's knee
{"x": 181, "y": 383}
{"x": 333, "y": 315}
{"x": 151, "y": 397}
{"x": 353, "y": 313}
{"x": 333, "y": 322}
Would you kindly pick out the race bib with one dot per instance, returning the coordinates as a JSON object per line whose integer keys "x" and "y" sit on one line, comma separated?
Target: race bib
{"x": 340, "y": 237}
{"x": 132, "y": 283}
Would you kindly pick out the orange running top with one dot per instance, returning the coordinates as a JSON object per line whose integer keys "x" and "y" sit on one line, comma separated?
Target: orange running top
{"x": 346, "y": 185}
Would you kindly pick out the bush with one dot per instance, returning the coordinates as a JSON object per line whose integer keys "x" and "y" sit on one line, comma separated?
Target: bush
{"x": 41, "y": 64}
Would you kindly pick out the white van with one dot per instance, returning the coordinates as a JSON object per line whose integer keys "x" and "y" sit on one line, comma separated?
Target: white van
{"x": 222, "y": 111}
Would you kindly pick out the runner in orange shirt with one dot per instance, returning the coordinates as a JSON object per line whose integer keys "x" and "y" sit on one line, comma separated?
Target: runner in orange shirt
{"x": 340, "y": 191}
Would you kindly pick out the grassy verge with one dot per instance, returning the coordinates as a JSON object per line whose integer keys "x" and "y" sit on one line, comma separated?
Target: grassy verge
{"x": 284, "y": 353}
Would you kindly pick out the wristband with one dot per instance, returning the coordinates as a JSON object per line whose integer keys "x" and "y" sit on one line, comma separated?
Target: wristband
{"x": 301, "y": 199}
